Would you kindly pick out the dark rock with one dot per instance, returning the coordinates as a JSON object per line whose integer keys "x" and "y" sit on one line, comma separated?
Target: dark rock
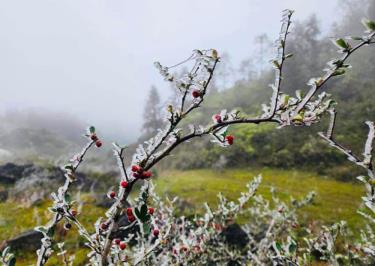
{"x": 3, "y": 195}
{"x": 234, "y": 235}
{"x": 35, "y": 182}
{"x": 27, "y": 241}
{"x": 10, "y": 172}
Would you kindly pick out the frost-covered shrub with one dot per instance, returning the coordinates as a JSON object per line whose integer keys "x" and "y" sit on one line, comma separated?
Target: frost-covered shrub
{"x": 147, "y": 230}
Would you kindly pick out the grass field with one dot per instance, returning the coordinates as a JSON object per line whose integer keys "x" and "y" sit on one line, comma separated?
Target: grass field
{"x": 335, "y": 200}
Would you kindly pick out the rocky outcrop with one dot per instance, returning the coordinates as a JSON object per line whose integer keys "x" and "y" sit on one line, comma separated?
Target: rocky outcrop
{"x": 33, "y": 182}
{"x": 27, "y": 241}
{"x": 234, "y": 235}
{"x": 10, "y": 173}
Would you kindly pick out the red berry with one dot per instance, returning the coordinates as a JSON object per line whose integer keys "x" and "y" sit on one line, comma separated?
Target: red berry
{"x": 196, "y": 93}
{"x": 94, "y": 137}
{"x": 151, "y": 210}
{"x": 155, "y": 232}
{"x": 131, "y": 218}
{"x": 112, "y": 194}
{"x": 147, "y": 174}
{"x": 98, "y": 143}
{"x": 117, "y": 241}
{"x": 217, "y": 118}
{"x": 229, "y": 139}
{"x": 123, "y": 184}
{"x": 73, "y": 212}
{"x": 104, "y": 226}
{"x": 129, "y": 211}
{"x": 122, "y": 245}
{"x": 135, "y": 168}
{"x": 136, "y": 175}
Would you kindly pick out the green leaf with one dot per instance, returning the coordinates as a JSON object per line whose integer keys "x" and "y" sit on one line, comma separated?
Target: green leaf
{"x": 146, "y": 228}
{"x": 92, "y": 130}
{"x": 69, "y": 167}
{"x": 369, "y": 24}
{"x": 51, "y": 232}
{"x": 144, "y": 196}
{"x": 144, "y": 210}
{"x": 142, "y": 213}
{"x": 292, "y": 247}
{"x": 137, "y": 213}
{"x": 288, "y": 56}
{"x": 356, "y": 38}
{"x": 341, "y": 43}
{"x": 338, "y": 72}
{"x": 12, "y": 261}
{"x": 41, "y": 229}
{"x": 67, "y": 198}
{"x": 278, "y": 246}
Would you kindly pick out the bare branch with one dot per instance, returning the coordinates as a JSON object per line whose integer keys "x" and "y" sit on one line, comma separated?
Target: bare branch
{"x": 60, "y": 211}
{"x": 332, "y": 72}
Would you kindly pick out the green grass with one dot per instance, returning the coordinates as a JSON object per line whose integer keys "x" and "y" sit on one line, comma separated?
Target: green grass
{"x": 335, "y": 201}
{"x": 18, "y": 218}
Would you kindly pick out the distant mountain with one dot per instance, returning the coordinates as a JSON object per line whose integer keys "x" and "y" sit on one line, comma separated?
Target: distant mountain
{"x": 38, "y": 135}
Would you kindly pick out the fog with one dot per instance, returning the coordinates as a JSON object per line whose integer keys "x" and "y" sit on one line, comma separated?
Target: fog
{"x": 94, "y": 59}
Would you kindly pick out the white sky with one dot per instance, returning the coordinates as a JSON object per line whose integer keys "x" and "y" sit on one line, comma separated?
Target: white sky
{"x": 95, "y": 58}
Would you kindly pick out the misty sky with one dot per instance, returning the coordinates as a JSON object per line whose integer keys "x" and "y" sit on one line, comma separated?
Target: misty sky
{"x": 95, "y": 58}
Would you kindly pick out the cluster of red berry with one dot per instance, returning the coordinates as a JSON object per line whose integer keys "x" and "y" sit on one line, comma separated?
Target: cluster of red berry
{"x": 119, "y": 243}
{"x": 218, "y": 119}
{"x": 112, "y": 194}
{"x": 229, "y": 139}
{"x": 129, "y": 213}
{"x": 98, "y": 143}
{"x": 138, "y": 172}
{"x": 131, "y": 218}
